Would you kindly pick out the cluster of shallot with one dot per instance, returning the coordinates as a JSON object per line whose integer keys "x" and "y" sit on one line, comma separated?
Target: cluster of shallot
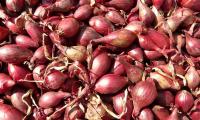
{"x": 100, "y": 59}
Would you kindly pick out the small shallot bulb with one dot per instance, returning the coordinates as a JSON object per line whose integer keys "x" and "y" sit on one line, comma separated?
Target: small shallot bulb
{"x": 13, "y": 53}
{"x": 184, "y": 100}
{"x": 136, "y": 27}
{"x": 8, "y": 112}
{"x": 100, "y": 65}
{"x": 55, "y": 79}
{"x": 61, "y": 5}
{"x": 110, "y": 83}
{"x": 146, "y": 114}
{"x": 77, "y": 53}
{"x": 101, "y": 25}
{"x": 69, "y": 27}
{"x": 34, "y": 30}
{"x": 39, "y": 55}
{"x": 159, "y": 38}
{"x": 51, "y": 99}
{"x": 83, "y": 12}
{"x": 38, "y": 73}
{"x": 26, "y": 41}
{"x": 146, "y": 15}
{"x": 139, "y": 94}
{"x": 192, "y": 77}
{"x": 86, "y": 34}
{"x": 152, "y": 55}
{"x": 192, "y": 45}
{"x": 120, "y": 38}
{"x": 19, "y": 73}
{"x": 137, "y": 54}
{"x": 115, "y": 17}
{"x": 17, "y": 100}
{"x": 15, "y": 5}
{"x": 6, "y": 83}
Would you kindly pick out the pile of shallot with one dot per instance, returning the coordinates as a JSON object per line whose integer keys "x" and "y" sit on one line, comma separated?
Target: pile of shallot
{"x": 99, "y": 60}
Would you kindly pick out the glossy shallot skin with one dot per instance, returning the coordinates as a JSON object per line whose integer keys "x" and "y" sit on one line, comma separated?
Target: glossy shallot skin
{"x": 99, "y": 59}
